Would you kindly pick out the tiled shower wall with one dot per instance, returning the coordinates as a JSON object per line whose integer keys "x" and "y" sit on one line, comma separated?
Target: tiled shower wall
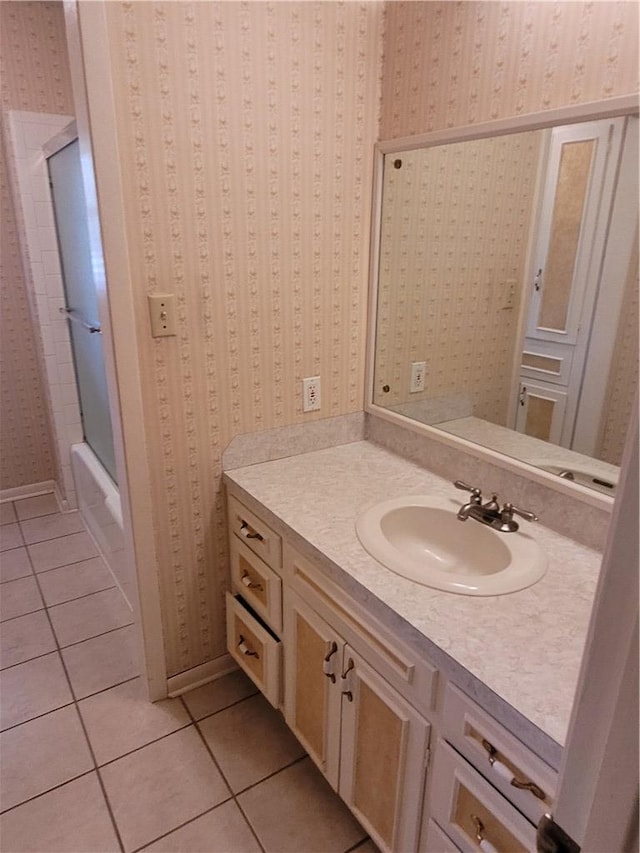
{"x": 35, "y": 77}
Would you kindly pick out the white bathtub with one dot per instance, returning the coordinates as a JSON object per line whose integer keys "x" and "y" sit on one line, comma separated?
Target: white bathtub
{"x": 99, "y": 503}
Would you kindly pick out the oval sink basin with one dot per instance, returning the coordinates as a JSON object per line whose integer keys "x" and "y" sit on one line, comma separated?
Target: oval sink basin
{"x": 422, "y": 539}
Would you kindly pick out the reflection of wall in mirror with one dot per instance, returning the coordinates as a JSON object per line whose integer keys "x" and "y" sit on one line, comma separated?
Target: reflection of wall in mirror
{"x": 624, "y": 372}
{"x": 454, "y": 239}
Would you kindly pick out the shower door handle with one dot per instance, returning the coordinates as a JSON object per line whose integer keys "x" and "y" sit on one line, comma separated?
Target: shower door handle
{"x": 76, "y": 318}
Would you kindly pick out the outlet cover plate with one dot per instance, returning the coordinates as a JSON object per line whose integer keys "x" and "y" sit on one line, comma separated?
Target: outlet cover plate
{"x": 311, "y": 394}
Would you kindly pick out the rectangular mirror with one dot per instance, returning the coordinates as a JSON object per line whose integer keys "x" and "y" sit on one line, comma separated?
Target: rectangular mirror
{"x": 507, "y": 291}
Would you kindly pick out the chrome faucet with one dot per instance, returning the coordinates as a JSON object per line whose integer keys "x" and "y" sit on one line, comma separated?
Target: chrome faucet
{"x": 490, "y": 513}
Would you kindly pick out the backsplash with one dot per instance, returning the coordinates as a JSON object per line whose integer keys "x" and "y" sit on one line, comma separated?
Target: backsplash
{"x": 572, "y": 518}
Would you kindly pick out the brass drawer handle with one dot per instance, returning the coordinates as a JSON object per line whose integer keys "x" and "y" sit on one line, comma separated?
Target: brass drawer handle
{"x": 485, "y": 845}
{"x": 244, "y": 648}
{"x": 246, "y": 580}
{"x": 504, "y": 771}
{"x": 249, "y": 533}
{"x": 327, "y": 663}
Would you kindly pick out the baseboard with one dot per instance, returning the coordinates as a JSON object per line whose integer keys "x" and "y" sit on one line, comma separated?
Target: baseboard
{"x": 199, "y": 675}
{"x": 30, "y": 491}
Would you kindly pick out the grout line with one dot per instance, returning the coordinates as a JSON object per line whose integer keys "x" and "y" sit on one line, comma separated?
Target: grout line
{"x": 213, "y": 758}
{"x": 104, "y": 689}
{"x": 271, "y": 775}
{"x": 44, "y": 514}
{"x": 37, "y": 716}
{"x": 48, "y": 791}
{"x": 355, "y": 846}
{"x": 50, "y": 538}
{"x": 95, "y": 636}
{"x": 26, "y": 613}
{"x": 143, "y": 745}
{"x": 180, "y": 826}
{"x": 77, "y": 709}
{"x": 226, "y": 707}
{"x": 65, "y": 565}
{"x": 78, "y": 597}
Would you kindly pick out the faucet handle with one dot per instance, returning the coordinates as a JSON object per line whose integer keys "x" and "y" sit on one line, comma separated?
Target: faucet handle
{"x": 476, "y": 494}
{"x": 509, "y": 510}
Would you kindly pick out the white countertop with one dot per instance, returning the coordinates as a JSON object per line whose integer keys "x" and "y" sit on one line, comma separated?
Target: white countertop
{"x": 525, "y": 647}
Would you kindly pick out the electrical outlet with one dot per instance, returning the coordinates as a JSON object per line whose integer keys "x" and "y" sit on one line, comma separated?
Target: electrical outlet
{"x": 311, "y": 394}
{"x": 418, "y": 370}
{"x": 162, "y": 311}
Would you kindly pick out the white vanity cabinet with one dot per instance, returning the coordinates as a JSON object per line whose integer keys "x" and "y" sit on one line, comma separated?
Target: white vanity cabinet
{"x": 368, "y": 741}
{"x": 420, "y": 764}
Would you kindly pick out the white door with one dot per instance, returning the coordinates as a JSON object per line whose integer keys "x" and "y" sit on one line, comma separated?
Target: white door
{"x": 597, "y": 798}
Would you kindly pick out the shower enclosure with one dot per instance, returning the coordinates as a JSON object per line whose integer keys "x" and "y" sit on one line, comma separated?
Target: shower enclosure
{"x": 81, "y": 303}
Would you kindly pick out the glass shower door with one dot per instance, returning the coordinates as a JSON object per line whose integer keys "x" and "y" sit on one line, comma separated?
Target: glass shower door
{"x": 81, "y": 301}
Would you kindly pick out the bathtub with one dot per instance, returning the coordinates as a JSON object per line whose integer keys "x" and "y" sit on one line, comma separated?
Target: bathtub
{"x": 99, "y": 503}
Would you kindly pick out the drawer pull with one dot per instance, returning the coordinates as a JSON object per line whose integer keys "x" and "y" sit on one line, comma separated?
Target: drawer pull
{"x": 244, "y": 648}
{"x": 246, "y": 580}
{"x": 327, "y": 665}
{"x": 505, "y": 772}
{"x": 249, "y": 533}
{"x": 485, "y": 846}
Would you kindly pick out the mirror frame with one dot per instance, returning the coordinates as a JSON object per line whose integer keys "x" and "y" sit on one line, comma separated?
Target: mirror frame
{"x": 609, "y": 108}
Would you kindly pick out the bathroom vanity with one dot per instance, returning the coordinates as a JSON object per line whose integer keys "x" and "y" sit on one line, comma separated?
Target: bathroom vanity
{"x": 438, "y": 718}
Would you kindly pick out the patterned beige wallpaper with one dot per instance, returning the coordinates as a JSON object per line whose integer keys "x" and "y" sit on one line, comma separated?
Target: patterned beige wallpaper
{"x": 454, "y": 63}
{"x": 623, "y": 376}
{"x": 246, "y": 135}
{"x": 35, "y": 77}
{"x": 450, "y": 260}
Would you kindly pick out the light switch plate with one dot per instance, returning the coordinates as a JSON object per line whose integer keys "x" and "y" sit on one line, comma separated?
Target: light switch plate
{"x": 162, "y": 311}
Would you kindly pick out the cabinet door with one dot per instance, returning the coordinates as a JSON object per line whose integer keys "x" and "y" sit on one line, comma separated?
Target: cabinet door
{"x": 384, "y": 755}
{"x": 312, "y": 699}
{"x": 541, "y": 411}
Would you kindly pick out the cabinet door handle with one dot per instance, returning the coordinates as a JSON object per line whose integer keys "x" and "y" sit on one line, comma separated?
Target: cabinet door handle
{"x": 327, "y": 663}
{"x": 246, "y": 580}
{"x": 244, "y": 648}
{"x": 345, "y": 678}
{"x": 485, "y": 846}
{"x": 249, "y": 533}
{"x": 505, "y": 772}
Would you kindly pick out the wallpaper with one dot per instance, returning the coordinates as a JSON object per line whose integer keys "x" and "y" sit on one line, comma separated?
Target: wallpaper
{"x": 455, "y": 230}
{"x": 35, "y": 76}
{"x": 246, "y": 135}
{"x": 455, "y": 63}
{"x": 623, "y": 376}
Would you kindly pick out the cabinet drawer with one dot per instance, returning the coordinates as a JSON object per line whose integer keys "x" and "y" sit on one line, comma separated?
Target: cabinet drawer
{"x": 469, "y": 810}
{"x": 259, "y": 585}
{"x": 254, "y": 648}
{"x": 255, "y": 533}
{"x": 436, "y": 841}
{"x": 507, "y": 763}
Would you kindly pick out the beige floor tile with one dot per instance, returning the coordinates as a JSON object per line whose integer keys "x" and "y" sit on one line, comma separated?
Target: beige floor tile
{"x": 69, "y": 582}
{"x": 19, "y": 597}
{"x": 7, "y": 513}
{"x": 297, "y": 810}
{"x": 219, "y": 694}
{"x": 33, "y": 507}
{"x": 62, "y": 551}
{"x": 32, "y": 688}
{"x": 250, "y": 740}
{"x": 72, "y": 819}
{"x": 41, "y": 754}
{"x": 154, "y": 790}
{"x": 87, "y": 617}
{"x": 102, "y": 662}
{"x": 367, "y": 846}
{"x": 14, "y": 564}
{"x": 51, "y": 526}
{"x": 122, "y": 719}
{"x": 24, "y": 638}
{"x": 10, "y": 537}
{"x": 222, "y": 830}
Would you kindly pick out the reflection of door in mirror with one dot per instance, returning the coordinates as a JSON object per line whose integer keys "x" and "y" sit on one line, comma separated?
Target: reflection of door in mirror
{"x": 557, "y": 399}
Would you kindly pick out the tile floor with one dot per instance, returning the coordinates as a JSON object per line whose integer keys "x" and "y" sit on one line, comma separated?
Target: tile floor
{"x": 88, "y": 765}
